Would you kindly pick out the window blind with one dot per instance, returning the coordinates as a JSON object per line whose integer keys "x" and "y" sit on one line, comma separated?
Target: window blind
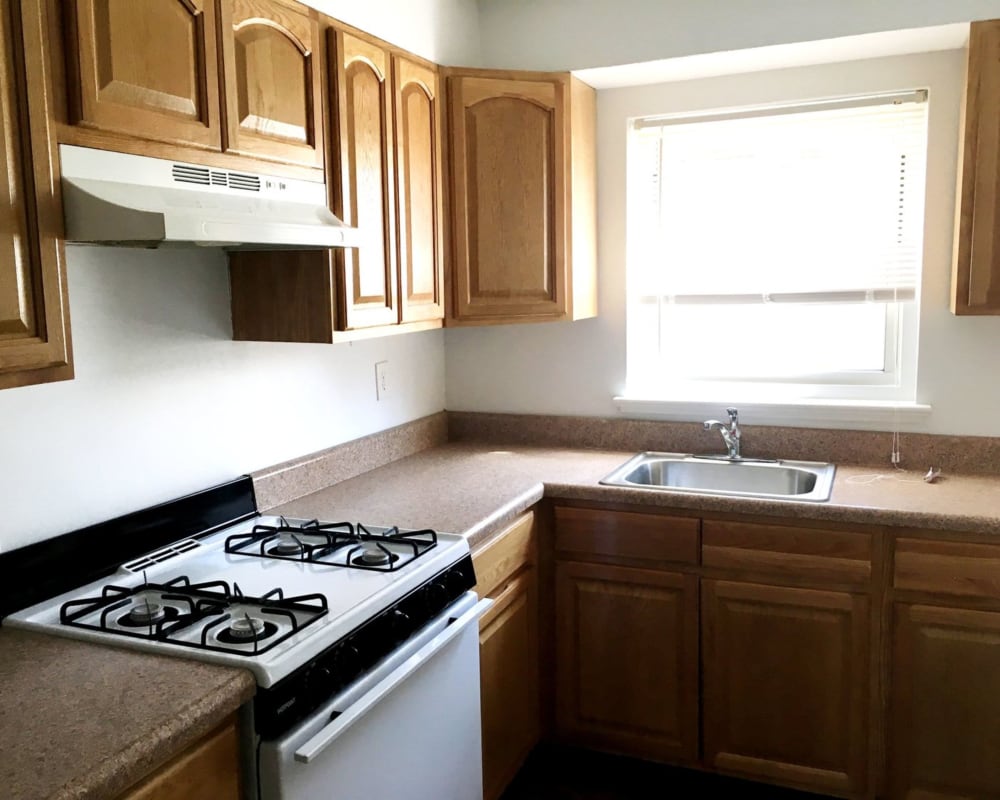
{"x": 814, "y": 203}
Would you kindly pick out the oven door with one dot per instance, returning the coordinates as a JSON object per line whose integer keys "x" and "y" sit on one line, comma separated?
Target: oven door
{"x": 408, "y": 729}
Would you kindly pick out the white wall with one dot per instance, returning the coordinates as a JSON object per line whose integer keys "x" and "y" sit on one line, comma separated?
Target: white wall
{"x": 164, "y": 402}
{"x": 443, "y": 31}
{"x": 576, "y": 34}
{"x": 576, "y": 368}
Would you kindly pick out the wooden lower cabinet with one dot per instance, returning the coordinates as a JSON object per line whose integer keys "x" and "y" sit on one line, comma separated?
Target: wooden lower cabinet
{"x": 509, "y": 658}
{"x": 944, "y": 726}
{"x": 786, "y": 679}
{"x": 627, "y": 660}
{"x": 208, "y": 770}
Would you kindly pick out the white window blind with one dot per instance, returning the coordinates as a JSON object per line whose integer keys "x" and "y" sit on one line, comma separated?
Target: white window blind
{"x": 816, "y": 203}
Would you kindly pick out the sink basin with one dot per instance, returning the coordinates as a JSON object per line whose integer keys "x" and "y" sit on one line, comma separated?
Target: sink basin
{"x": 680, "y": 472}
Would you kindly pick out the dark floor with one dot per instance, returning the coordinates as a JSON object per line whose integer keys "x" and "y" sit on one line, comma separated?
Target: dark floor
{"x": 562, "y": 773}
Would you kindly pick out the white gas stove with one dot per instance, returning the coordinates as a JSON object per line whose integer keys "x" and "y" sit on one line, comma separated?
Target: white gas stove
{"x": 333, "y": 619}
{"x": 268, "y": 594}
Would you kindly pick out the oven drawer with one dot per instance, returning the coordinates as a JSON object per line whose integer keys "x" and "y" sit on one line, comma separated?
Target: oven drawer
{"x": 410, "y": 728}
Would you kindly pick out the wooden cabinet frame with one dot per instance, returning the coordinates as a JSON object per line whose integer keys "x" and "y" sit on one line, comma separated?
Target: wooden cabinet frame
{"x": 35, "y": 340}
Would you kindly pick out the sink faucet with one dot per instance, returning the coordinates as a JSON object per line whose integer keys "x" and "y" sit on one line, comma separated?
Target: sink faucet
{"x": 730, "y": 433}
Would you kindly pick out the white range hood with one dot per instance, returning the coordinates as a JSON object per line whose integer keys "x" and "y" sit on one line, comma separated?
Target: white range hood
{"x": 137, "y": 201}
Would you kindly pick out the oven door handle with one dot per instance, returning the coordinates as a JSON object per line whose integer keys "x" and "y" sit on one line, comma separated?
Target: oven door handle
{"x": 311, "y": 749}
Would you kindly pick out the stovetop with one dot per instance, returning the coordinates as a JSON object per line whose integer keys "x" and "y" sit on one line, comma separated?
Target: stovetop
{"x": 229, "y": 598}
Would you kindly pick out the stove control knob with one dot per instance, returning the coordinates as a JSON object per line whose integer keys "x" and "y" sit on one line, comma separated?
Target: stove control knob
{"x": 399, "y": 623}
{"x": 319, "y": 681}
{"x": 347, "y": 661}
{"x": 436, "y": 596}
{"x": 456, "y": 581}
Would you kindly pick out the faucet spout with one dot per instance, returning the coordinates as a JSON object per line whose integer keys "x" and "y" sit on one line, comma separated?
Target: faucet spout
{"x": 730, "y": 432}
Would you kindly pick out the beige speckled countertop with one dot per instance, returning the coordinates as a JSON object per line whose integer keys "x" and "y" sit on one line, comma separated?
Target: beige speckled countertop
{"x": 474, "y": 489}
{"x": 71, "y": 728}
{"x": 81, "y": 721}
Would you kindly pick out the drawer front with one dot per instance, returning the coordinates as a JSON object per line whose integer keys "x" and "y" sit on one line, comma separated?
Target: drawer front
{"x": 505, "y": 555}
{"x": 626, "y": 535}
{"x": 788, "y": 552}
{"x": 950, "y": 568}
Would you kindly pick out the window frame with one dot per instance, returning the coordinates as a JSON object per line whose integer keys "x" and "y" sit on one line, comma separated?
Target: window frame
{"x": 895, "y": 385}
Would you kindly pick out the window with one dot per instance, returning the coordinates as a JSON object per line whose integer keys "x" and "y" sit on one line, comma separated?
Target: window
{"x": 774, "y": 254}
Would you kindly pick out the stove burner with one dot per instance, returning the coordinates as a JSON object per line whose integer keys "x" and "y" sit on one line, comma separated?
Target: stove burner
{"x": 145, "y": 613}
{"x": 287, "y": 544}
{"x": 374, "y": 555}
{"x": 197, "y": 615}
{"x": 247, "y": 629}
{"x": 339, "y": 544}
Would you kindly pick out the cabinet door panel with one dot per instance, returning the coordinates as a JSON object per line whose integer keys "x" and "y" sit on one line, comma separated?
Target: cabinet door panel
{"x": 627, "y": 656}
{"x": 34, "y": 317}
{"x": 362, "y": 197}
{"x": 786, "y": 684}
{"x": 509, "y": 160}
{"x": 976, "y": 272}
{"x": 147, "y": 70}
{"x": 418, "y": 180}
{"x": 508, "y": 641}
{"x": 209, "y": 770}
{"x": 272, "y": 81}
{"x": 945, "y": 704}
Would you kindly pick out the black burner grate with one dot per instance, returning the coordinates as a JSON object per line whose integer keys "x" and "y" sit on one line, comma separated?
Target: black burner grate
{"x": 339, "y": 544}
{"x": 207, "y": 604}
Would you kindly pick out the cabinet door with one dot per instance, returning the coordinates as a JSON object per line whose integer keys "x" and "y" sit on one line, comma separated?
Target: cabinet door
{"x": 976, "y": 276}
{"x": 209, "y": 770}
{"x": 272, "y": 81}
{"x": 34, "y": 317}
{"x": 944, "y": 725}
{"x": 418, "y": 190}
{"x": 786, "y": 684}
{"x": 509, "y": 179}
{"x": 147, "y": 70}
{"x": 627, "y": 660}
{"x": 508, "y": 658}
{"x": 363, "y": 192}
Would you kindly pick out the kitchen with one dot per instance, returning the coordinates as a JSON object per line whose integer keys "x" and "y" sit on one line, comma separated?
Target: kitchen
{"x": 165, "y": 403}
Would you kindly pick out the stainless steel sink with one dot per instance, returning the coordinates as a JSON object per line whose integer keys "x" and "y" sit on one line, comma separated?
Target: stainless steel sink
{"x": 680, "y": 472}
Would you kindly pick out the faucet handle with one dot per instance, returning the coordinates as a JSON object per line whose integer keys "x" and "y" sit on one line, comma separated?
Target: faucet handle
{"x": 733, "y": 414}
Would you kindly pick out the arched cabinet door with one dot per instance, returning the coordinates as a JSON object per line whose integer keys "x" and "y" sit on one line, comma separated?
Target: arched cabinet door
{"x": 147, "y": 70}
{"x": 272, "y": 81}
{"x": 418, "y": 178}
{"x": 363, "y": 188}
{"x": 508, "y": 163}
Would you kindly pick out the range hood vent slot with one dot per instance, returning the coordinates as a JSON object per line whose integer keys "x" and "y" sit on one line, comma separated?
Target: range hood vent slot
{"x": 187, "y": 174}
{"x": 249, "y": 182}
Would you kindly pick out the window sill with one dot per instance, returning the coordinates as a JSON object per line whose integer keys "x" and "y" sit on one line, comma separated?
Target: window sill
{"x": 857, "y": 415}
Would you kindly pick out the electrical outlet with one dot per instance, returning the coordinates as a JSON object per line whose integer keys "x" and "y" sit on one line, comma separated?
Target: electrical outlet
{"x": 381, "y": 380}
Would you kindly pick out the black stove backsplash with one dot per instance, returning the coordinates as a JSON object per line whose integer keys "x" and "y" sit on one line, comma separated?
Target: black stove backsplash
{"x": 45, "y": 569}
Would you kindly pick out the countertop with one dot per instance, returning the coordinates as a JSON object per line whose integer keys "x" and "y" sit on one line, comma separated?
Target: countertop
{"x": 475, "y": 489}
{"x": 81, "y": 721}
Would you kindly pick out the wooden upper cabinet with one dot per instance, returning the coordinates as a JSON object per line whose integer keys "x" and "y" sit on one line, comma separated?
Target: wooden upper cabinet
{"x": 521, "y": 151}
{"x": 420, "y": 239}
{"x": 363, "y": 188}
{"x": 34, "y": 314}
{"x": 147, "y": 70}
{"x": 272, "y": 81}
{"x": 976, "y": 267}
